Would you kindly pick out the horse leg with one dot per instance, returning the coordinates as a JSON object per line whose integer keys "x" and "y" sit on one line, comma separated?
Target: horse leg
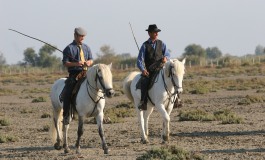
{"x": 99, "y": 119}
{"x": 166, "y": 120}
{"x": 57, "y": 126}
{"x": 80, "y": 132}
{"x": 147, "y": 114}
{"x": 65, "y": 143}
{"x": 144, "y": 138}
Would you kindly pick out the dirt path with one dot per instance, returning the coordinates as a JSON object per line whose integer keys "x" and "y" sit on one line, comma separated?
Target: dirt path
{"x": 212, "y": 139}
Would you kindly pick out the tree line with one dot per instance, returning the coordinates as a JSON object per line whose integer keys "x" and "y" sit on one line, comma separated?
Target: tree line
{"x": 45, "y": 58}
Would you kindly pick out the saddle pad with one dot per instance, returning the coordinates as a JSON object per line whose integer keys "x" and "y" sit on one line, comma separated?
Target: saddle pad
{"x": 74, "y": 92}
{"x": 152, "y": 80}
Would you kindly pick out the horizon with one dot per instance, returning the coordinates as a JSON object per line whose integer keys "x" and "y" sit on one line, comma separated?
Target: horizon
{"x": 235, "y": 27}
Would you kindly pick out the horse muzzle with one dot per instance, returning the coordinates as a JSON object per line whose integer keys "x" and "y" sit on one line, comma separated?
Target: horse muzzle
{"x": 179, "y": 90}
{"x": 110, "y": 93}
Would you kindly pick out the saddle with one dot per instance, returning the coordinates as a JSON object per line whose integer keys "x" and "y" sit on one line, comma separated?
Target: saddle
{"x": 80, "y": 80}
{"x": 152, "y": 80}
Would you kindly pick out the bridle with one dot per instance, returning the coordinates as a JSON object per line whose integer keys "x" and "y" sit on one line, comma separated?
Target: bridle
{"x": 96, "y": 89}
{"x": 176, "y": 87}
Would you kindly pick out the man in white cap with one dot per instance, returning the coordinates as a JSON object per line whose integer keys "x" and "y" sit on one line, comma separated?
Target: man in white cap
{"x": 77, "y": 57}
{"x": 152, "y": 52}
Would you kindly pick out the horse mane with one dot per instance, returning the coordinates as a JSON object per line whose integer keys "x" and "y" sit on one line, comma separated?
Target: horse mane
{"x": 178, "y": 65}
{"x": 92, "y": 71}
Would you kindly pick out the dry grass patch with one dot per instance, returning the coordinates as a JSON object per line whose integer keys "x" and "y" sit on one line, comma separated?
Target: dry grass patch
{"x": 170, "y": 153}
{"x": 7, "y": 138}
{"x": 118, "y": 113}
{"x": 225, "y": 116}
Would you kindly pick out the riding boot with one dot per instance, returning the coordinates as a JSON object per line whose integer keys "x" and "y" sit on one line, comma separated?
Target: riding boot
{"x": 144, "y": 89}
{"x": 69, "y": 86}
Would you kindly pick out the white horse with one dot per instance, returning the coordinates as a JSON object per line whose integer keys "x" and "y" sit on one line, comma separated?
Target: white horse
{"x": 161, "y": 96}
{"x": 89, "y": 101}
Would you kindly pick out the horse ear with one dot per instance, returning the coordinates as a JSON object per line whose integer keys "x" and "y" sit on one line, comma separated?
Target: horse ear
{"x": 184, "y": 60}
{"x": 110, "y": 65}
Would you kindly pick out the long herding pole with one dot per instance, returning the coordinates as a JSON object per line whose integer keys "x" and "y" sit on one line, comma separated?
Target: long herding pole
{"x": 134, "y": 37}
{"x": 42, "y": 42}
{"x": 36, "y": 39}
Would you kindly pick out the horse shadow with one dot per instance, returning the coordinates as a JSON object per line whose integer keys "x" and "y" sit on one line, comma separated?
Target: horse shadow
{"x": 11, "y": 152}
{"x": 19, "y": 151}
{"x": 224, "y": 134}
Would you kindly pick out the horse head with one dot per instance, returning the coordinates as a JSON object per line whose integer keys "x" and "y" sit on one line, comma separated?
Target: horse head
{"x": 175, "y": 70}
{"x": 103, "y": 79}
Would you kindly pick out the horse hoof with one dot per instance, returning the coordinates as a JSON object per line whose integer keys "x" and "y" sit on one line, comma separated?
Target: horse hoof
{"x": 165, "y": 138}
{"x": 106, "y": 151}
{"x": 78, "y": 151}
{"x": 57, "y": 146}
{"x": 67, "y": 150}
{"x": 144, "y": 141}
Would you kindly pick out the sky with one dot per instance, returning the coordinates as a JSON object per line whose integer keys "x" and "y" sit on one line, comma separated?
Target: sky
{"x": 236, "y": 27}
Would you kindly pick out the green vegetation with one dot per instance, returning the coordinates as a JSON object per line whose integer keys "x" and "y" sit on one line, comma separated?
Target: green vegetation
{"x": 6, "y": 92}
{"x": 170, "y": 153}
{"x": 36, "y": 90}
{"x": 45, "y": 115}
{"x": 251, "y": 99}
{"x": 121, "y": 111}
{"x": 7, "y": 138}
{"x": 45, "y": 128}
{"x": 4, "y": 122}
{"x": 25, "y": 111}
{"x": 225, "y": 116}
{"x": 39, "y": 99}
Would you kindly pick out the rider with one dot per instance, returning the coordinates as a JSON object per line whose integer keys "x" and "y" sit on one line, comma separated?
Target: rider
{"x": 152, "y": 52}
{"x": 77, "y": 57}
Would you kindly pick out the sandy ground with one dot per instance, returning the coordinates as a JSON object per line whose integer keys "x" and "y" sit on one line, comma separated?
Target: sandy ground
{"x": 212, "y": 139}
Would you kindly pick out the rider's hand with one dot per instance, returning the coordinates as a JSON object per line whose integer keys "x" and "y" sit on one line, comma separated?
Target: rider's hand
{"x": 164, "y": 60}
{"x": 145, "y": 73}
{"x": 80, "y": 63}
{"x": 88, "y": 63}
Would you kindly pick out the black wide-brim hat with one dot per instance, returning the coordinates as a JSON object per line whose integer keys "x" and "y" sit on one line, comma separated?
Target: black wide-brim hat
{"x": 153, "y": 28}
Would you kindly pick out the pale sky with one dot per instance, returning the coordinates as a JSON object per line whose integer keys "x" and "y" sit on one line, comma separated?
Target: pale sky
{"x": 234, "y": 26}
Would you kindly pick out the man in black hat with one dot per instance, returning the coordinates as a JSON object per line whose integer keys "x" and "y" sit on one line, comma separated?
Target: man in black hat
{"x": 77, "y": 57}
{"x": 153, "y": 51}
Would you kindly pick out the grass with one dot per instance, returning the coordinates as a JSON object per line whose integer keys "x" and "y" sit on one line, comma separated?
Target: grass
{"x": 7, "y": 92}
{"x": 8, "y": 138}
{"x": 39, "y": 99}
{"x": 170, "y": 153}
{"x": 45, "y": 128}
{"x": 121, "y": 111}
{"x": 36, "y": 90}
{"x": 195, "y": 115}
{"x": 225, "y": 116}
{"x": 249, "y": 99}
{"x": 45, "y": 115}
{"x": 4, "y": 122}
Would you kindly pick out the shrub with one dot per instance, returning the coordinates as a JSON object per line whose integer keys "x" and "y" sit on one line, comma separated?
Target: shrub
{"x": 39, "y": 99}
{"x": 170, "y": 153}
{"x": 4, "y": 122}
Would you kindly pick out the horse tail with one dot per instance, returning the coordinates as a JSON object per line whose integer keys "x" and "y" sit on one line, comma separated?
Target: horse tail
{"x": 127, "y": 85}
{"x": 57, "y": 109}
{"x": 57, "y": 118}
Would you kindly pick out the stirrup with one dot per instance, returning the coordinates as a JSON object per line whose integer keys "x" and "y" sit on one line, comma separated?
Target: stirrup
{"x": 66, "y": 120}
{"x": 140, "y": 106}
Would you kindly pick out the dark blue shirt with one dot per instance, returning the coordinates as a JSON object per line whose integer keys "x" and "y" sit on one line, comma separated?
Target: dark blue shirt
{"x": 71, "y": 54}
{"x": 141, "y": 55}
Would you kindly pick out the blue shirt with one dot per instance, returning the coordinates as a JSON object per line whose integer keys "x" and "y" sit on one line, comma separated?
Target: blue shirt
{"x": 71, "y": 54}
{"x": 141, "y": 55}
